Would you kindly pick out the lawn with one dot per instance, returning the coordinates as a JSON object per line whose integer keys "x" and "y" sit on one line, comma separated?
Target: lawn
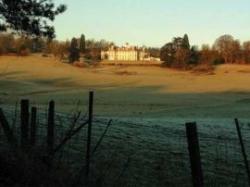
{"x": 127, "y": 91}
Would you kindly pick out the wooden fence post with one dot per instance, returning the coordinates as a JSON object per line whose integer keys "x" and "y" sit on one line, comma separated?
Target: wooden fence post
{"x": 243, "y": 149}
{"x": 194, "y": 154}
{"x": 51, "y": 126}
{"x": 24, "y": 123}
{"x": 7, "y": 130}
{"x": 91, "y": 99}
{"x": 33, "y": 126}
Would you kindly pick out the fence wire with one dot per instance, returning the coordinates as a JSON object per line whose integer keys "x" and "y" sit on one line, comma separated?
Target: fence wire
{"x": 145, "y": 152}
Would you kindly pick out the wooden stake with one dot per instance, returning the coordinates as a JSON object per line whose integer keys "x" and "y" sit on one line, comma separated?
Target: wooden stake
{"x": 33, "y": 126}
{"x": 7, "y": 130}
{"x": 51, "y": 126}
{"x": 243, "y": 149}
{"x": 24, "y": 124}
{"x": 194, "y": 153}
{"x": 91, "y": 99}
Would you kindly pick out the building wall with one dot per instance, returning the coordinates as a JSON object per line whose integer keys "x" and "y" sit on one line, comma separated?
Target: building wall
{"x": 123, "y": 55}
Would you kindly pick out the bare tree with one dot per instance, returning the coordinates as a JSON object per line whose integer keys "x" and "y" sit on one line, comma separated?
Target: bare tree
{"x": 246, "y": 51}
{"x": 228, "y": 48}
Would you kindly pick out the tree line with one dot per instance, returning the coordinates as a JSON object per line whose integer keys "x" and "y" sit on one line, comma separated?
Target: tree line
{"x": 30, "y": 21}
{"x": 71, "y": 50}
{"x": 23, "y": 45}
{"x": 179, "y": 54}
{"x": 176, "y": 54}
{"x": 64, "y": 50}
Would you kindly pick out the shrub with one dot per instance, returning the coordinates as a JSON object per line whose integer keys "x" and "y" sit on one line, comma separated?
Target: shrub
{"x": 24, "y": 52}
{"x": 74, "y": 52}
{"x": 218, "y": 61}
{"x": 80, "y": 64}
{"x": 204, "y": 68}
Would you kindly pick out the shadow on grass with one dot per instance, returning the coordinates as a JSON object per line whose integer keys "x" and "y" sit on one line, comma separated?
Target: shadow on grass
{"x": 12, "y": 74}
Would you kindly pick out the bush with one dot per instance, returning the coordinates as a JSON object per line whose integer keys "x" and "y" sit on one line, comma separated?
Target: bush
{"x": 204, "y": 68}
{"x": 1, "y": 50}
{"x": 74, "y": 52}
{"x": 218, "y": 61}
{"x": 80, "y": 64}
{"x": 26, "y": 169}
{"x": 24, "y": 52}
{"x": 45, "y": 55}
{"x": 93, "y": 54}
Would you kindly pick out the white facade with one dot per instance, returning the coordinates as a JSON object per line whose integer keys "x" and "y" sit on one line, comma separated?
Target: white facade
{"x": 126, "y": 53}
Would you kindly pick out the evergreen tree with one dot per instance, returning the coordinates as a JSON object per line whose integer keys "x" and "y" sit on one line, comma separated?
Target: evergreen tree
{"x": 185, "y": 42}
{"x": 29, "y": 17}
{"x": 167, "y": 54}
{"x": 177, "y": 53}
{"x": 74, "y": 52}
{"x": 82, "y": 44}
{"x": 194, "y": 56}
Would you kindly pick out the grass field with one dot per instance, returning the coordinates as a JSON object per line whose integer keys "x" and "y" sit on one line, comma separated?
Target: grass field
{"x": 149, "y": 106}
{"x": 127, "y": 91}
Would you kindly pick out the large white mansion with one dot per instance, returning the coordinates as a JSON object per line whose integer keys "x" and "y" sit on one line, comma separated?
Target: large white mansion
{"x": 125, "y": 53}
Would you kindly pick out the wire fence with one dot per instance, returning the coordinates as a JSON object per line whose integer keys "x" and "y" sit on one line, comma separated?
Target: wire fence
{"x": 144, "y": 152}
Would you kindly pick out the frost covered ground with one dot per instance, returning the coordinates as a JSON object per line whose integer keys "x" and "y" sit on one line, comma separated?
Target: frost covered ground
{"x": 154, "y": 152}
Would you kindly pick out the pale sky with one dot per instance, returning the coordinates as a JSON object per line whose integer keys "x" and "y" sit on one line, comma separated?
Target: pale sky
{"x": 154, "y": 22}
